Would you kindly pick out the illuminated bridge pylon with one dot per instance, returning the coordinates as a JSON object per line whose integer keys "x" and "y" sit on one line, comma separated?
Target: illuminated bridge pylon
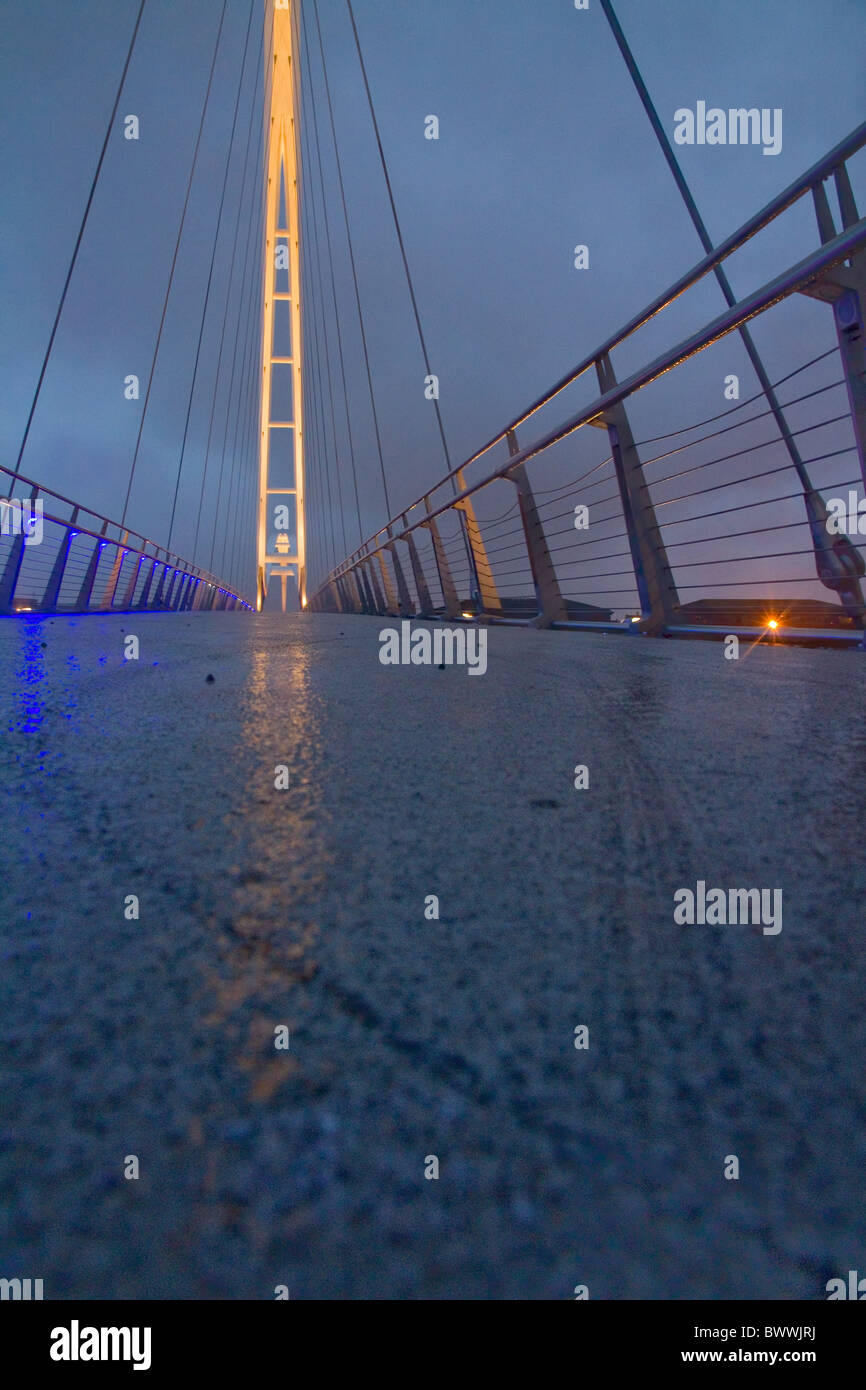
{"x": 281, "y": 546}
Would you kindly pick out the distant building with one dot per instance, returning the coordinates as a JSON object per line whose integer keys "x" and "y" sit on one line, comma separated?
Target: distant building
{"x": 757, "y": 612}
{"x": 528, "y": 607}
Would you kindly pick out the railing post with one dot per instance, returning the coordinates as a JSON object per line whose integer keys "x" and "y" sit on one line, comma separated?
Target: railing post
{"x": 11, "y": 571}
{"x": 52, "y": 591}
{"x": 839, "y": 564}
{"x": 488, "y": 594}
{"x": 551, "y": 605}
{"x": 848, "y": 307}
{"x": 378, "y": 599}
{"x": 404, "y": 598}
{"x": 14, "y": 560}
{"x": 131, "y": 586}
{"x": 86, "y": 591}
{"x": 145, "y": 593}
{"x": 169, "y": 594}
{"x": 160, "y": 588}
{"x": 191, "y": 593}
{"x": 364, "y": 575}
{"x": 657, "y": 591}
{"x": 425, "y": 603}
{"x": 391, "y": 605}
{"x": 350, "y": 602}
{"x": 353, "y": 589}
{"x": 110, "y": 590}
{"x": 449, "y": 593}
{"x": 357, "y": 578}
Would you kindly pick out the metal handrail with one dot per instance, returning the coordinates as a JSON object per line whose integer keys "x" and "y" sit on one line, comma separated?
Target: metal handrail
{"x": 107, "y": 521}
{"x": 807, "y": 181}
{"x": 373, "y": 579}
{"x": 841, "y": 248}
{"x": 207, "y": 590}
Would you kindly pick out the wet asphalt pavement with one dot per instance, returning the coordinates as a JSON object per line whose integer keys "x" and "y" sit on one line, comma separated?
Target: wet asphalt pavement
{"x": 411, "y": 1037}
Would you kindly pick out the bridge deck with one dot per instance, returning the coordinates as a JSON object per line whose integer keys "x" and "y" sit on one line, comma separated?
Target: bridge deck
{"x": 412, "y": 1037}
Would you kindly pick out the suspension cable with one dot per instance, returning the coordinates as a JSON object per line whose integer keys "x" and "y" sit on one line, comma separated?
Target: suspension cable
{"x": 173, "y": 265}
{"x": 337, "y": 323}
{"x": 210, "y": 272}
{"x": 725, "y": 414}
{"x": 241, "y": 204}
{"x": 352, "y": 259}
{"x": 238, "y": 334}
{"x": 316, "y": 243}
{"x": 317, "y": 422}
{"x": 77, "y": 246}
